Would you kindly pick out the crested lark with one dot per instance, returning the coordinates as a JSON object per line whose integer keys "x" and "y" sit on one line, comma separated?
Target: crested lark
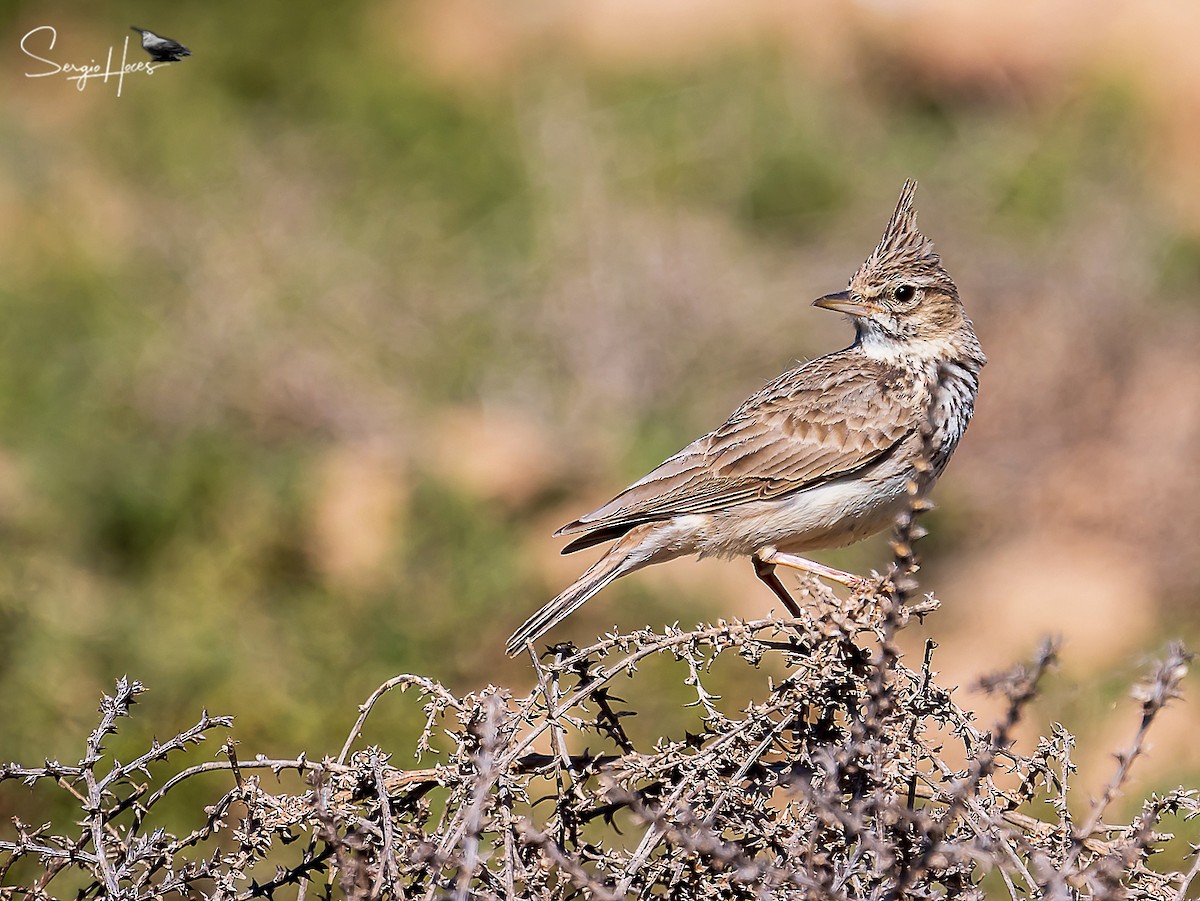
{"x": 818, "y": 458}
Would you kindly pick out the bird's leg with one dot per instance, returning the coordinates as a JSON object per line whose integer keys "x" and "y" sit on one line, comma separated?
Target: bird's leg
{"x": 766, "y": 572}
{"x": 775, "y": 558}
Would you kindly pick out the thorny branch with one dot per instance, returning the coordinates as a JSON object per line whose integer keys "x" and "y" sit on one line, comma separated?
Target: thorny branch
{"x": 835, "y": 782}
{"x": 839, "y": 773}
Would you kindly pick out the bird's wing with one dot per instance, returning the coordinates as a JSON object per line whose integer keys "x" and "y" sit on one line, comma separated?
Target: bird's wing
{"x": 828, "y": 418}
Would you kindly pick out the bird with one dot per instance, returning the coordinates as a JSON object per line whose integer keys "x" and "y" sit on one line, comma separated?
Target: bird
{"x": 161, "y": 49}
{"x": 822, "y": 456}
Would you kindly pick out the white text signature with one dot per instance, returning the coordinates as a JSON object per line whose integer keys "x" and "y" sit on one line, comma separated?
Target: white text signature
{"x": 81, "y": 75}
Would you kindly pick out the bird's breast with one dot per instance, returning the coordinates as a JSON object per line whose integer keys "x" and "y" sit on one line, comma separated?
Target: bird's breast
{"x": 951, "y": 407}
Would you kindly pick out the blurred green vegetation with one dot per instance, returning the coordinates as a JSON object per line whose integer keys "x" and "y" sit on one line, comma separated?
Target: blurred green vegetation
{"x": 299, "y": 241}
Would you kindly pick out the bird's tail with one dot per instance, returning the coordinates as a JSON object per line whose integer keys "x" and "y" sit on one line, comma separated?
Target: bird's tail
{"x": 624, "y": 557}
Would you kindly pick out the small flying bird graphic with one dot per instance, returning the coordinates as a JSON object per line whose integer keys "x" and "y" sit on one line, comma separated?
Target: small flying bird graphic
{"x": 163, "y": 50}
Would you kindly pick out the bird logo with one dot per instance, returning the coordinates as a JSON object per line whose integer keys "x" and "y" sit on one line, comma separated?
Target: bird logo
{"x": 161, "y": 49}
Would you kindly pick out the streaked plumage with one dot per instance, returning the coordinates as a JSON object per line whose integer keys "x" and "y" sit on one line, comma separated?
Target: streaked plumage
{"x": 818, "y": 458}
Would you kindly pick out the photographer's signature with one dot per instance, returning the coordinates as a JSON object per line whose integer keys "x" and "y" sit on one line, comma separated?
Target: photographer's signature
{"x": 81, "y": 74}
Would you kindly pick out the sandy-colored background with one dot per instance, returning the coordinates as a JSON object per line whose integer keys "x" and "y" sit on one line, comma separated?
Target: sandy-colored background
{"x": 309, "y": 342}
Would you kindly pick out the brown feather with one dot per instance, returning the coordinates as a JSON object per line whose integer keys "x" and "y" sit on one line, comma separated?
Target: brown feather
{"x": 803, "y": 429}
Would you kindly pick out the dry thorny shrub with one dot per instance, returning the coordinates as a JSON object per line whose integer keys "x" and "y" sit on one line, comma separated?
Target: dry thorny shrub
{"x": 842, "y": 781}
{"x": 834, "y": 785}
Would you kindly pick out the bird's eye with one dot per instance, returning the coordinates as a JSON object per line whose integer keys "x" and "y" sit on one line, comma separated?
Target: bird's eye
{"x": 904, "y": 293}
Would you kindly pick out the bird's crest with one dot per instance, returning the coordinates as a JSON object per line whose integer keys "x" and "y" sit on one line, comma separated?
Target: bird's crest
{"x": 902, "y": 245}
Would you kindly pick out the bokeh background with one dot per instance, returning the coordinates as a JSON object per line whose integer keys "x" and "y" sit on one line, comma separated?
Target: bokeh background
{"x": 309, "y": 342}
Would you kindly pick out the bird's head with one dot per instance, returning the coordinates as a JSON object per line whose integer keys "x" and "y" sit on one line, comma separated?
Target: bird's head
{"x": 901, "y": 293}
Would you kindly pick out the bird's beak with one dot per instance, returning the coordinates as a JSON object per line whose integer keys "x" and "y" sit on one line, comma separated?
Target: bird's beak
{"x": 843, "y": 302}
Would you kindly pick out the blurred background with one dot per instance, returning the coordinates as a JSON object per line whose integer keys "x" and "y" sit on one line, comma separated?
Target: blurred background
{"x": 310, "y": 341}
